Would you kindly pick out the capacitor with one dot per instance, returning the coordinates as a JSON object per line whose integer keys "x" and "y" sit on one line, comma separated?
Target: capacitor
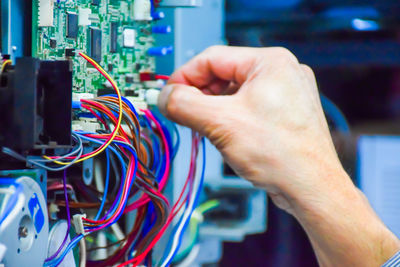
{"x": 161, "y": 29}
{"x": 158, "y": 15}
{"x": 160, "y": 50}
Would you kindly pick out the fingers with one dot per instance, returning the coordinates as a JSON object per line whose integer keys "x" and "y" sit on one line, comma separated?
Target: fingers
{"x": 233, "y": 64}
{"x": 188, "y": 106}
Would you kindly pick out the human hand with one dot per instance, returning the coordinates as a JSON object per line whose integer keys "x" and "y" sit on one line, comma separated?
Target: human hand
{"x": 261, "y": 108}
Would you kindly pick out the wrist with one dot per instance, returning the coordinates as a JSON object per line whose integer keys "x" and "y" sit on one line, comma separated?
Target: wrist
{"x": 342, "y": 227}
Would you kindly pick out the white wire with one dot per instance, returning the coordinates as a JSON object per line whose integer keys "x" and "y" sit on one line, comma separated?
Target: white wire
{"x": 185, "y": 217}
{"x": 79, "y": 147}
{"x": 82, "y": 260}
{"x": 188, "y": 261}
{"x": 18, "y": 156}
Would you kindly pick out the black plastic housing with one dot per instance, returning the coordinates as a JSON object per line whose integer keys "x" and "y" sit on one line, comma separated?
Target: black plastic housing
{"x": 35, "y": 103}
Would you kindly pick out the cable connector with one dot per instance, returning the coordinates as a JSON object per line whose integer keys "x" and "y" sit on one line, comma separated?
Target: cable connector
{"x": 78, "y": 223}
{"x": 152, "y": 96}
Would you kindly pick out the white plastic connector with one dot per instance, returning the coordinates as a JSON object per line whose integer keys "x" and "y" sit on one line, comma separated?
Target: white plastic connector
{"x": 78, "y": 223}
{"x": 142, "y": 10}
{"x": 79, "y": 96}
{"x": 46, "y": 13}
{"x": 152, "y": 96}
{"x": 154, "y": 84}
{"x": 139, "y": 104}
{"x": 86, "y": 125}
{"x": 84, "y": 16}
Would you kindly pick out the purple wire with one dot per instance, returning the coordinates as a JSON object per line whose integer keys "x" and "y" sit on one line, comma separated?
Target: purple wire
{"x": 68, "y": 216}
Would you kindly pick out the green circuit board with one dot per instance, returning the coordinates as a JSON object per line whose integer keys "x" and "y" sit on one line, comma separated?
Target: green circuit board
{"x": 103, "y": 29}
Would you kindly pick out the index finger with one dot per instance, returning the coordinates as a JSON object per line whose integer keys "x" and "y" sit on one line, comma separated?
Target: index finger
{"x": 228, "y": 63}
{"x": 217, "y": 63}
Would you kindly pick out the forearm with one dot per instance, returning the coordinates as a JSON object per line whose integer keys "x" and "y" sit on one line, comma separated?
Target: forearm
{"x": 342, "y": 227}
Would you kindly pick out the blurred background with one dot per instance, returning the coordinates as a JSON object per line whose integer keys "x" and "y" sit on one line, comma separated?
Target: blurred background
{"x": 354, "y": 49}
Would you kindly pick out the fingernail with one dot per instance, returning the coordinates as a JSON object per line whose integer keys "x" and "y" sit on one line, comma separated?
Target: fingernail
{"x": 163, "y": 98}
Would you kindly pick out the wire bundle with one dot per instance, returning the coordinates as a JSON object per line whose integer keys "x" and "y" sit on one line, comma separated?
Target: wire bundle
{"x": 140, "y": 150}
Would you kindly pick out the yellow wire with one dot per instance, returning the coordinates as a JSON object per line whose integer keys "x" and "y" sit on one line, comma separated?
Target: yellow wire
{"x": 118, "y": 126}
{"x": 5, "y": 63}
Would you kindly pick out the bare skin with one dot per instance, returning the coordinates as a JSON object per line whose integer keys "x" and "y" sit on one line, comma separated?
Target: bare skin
{"x": 260, "y": 107}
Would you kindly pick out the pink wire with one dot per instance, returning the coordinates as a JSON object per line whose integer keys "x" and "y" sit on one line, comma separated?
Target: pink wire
{"x": 145, "y": 198}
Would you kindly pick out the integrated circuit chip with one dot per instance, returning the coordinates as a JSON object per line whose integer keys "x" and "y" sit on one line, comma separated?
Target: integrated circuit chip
{"x": 106, "y": 30}
{"x": 53, "y": 43}
{"x": 72, "y": 25}
{"x": 95, "y": 44}
{"x": 113, "y": 37}
{"x": 69, "y": 52}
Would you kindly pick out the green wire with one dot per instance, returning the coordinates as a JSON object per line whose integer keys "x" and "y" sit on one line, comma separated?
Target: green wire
{"x": 194, "y": 227}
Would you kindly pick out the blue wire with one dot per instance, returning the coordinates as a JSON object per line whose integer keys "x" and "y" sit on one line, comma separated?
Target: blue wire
{"x": 194, "y": 204}
{"x": 148, "y": 224}
{"x": 126, "y": 102}
{"x": 74, "y": 242}
{"x": 129, "y": 189}
{"x": 178, "y": 141}
{"x": 70, "y": 246}
{"x": 103, "y": 201}
{"x": 122, "y": 164}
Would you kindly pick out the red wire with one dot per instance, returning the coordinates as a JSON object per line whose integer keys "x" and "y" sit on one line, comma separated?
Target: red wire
{"x": 145, "y": 199}
{"x": 161, "y": 77}
{"x": 115, "y": 129}
{"x": 137, "y": 260}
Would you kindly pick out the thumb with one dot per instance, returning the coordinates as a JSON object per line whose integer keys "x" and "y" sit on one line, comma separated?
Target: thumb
{"x": 187, "y": 105}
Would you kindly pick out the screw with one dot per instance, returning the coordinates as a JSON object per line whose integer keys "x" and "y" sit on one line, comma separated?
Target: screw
{"x": 22, "y": 232}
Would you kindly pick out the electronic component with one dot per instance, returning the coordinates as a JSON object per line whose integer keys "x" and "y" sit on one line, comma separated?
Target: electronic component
{"x": 142, "y": 10}
{"x": 129, "y": 37}
{"x": 129, "y": 78}
{"x": 72, "y": 25}
{"x": 152, "y": 96}
{"x": 24, "y": 222}
{"x": 78, "y": 223}
{"x": 113, "y": 37}
{"x": 84, "y": 16}
{"x": 160, "y": 51}
{"x": 158, "y": 15}
{"x": 101, "y": 36}
{"x": 95, "y": 44}
{"x": 53, "y": 43}
{"x": 69, "y": 52}
{"x": 161, "y": 29}
{"x": 45, "y": 95}
{"x": 131, "y": 93}
{"x": 46, "y": 13}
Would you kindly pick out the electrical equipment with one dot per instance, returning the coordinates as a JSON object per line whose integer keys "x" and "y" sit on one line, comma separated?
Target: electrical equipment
{"x": 24, "y": 224}
{"x": 81, "y": 112}
{"x": 37, "y": 107}
{"x": 116, "y": 34}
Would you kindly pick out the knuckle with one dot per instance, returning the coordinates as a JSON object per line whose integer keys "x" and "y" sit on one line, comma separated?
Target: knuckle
{"x": 285, "y": 55}
{"x": 308, "y": 71}
{"x": 174, "y": 100}
{"x": 214, "y": 49}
